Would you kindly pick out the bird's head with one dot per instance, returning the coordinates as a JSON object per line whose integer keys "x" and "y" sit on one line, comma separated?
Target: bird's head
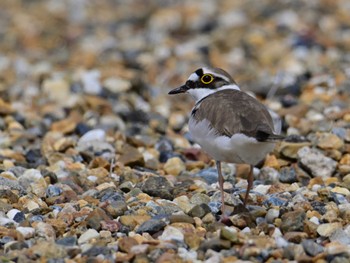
{"x": 205, "y": 81}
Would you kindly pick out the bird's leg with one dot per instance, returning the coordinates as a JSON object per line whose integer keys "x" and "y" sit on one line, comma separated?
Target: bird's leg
{"x": 221, "y": 185}
{"x": 250, "y": 184}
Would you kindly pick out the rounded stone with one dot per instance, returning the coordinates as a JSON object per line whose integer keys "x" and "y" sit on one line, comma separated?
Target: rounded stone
{"x": 174, "y": 166}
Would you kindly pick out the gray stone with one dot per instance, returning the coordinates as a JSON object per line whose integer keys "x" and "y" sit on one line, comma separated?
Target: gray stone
{"x": 158, "y": 186}
{"x": 210, "y": 175}
{"x": 151, "y": 226}
{"x": 293, "y": 221}
{"x": 288, "y": 175}
{"x": 340, "y": 236}
{"x": 311, "y": 247}
{"x": 199, "y": 198}
{"x": 316, "y": 163}
{"x": 199, "y": 210}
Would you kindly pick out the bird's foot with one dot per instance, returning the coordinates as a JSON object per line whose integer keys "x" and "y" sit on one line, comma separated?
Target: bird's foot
{"x": 224, "y": 218}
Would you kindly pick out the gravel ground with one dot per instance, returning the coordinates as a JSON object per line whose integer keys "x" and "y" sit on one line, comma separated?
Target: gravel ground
{"x": 96, "y": 162}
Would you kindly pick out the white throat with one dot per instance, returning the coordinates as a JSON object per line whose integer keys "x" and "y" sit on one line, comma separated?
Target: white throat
{"x": 200, "y": 93}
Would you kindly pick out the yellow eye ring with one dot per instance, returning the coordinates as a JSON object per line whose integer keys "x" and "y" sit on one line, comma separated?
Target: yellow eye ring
{"x": 207, "y": 78}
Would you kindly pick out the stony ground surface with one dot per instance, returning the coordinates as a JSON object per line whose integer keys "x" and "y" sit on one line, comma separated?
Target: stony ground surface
{"x": 96, "y": 161}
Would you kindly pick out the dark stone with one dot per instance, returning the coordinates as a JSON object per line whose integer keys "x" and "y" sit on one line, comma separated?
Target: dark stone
{"x": 288, "y": 175}
{"x": 164, "y": 145}
{"x": 293, "y": 221}
{"x": 199, "y": 210}
{"x": 166, "y": 155}
{"x": 68, "y": 241}
{"x": 158, "y": 186}
{"x": 319, "y": 207}
{"x": 33, "y": 155}
{"x": 53, "y": 177}
{"x": 136, "y": 116}
{"x": 151, "y": 226}
{"x": 19, "y": 217}
{"x": 274, "y": 200}
{"x": 82, "y": 128}
{"x": 311, "y": 247}
{"x": 97, "y": 250}
{"x": 110, "y": 194}
{"x": 289, "y": 100}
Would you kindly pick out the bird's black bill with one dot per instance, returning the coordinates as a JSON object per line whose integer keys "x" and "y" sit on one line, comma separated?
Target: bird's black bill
{"x": 178, "y": 90}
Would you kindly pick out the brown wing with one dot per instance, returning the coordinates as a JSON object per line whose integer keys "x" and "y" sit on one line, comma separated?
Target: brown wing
{"x": 233, "y": 111}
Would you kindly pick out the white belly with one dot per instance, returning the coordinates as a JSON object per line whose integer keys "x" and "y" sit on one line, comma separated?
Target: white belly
{"x": 237, "y": 149}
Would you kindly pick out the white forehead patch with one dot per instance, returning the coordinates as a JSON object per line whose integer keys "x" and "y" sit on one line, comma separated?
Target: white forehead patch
{"x": 193, "y": 77}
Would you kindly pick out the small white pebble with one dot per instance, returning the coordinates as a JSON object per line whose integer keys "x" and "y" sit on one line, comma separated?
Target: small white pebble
{"x": 281, "y": 242}
{"x": 246, "y": 230}
{"x": 92, "y": 178}
{"x": 315, "y": 187}
{"x": 262, "y": 189}
{"x": 6, "y": 221}
{"x": 277, "y": 233}
{"x": 314, "y": 220}
{"x": 27, "y": 232}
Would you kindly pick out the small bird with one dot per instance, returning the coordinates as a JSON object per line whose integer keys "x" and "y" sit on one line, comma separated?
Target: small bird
{"x": 230, "y": 125}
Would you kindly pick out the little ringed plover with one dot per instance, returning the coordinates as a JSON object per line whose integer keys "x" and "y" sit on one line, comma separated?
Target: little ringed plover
{"x": 230, "y": 125}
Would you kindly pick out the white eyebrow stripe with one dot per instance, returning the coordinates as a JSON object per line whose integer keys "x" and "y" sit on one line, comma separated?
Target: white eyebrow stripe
{"x": 208, "y": 71}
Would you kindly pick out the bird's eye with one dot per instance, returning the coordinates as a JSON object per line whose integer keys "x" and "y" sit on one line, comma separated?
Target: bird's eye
{"x": 207, "y": 78}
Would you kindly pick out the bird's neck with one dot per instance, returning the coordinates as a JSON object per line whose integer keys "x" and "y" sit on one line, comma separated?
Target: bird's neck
{"x": 200, "y": 93}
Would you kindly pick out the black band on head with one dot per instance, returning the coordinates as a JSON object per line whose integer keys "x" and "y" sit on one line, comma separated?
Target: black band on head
{"x": 199, "y": 72}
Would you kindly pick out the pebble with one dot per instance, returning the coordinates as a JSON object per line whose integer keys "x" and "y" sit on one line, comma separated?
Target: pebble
{"x": 293, "y": 221}
{"x": 158, "y": 186}
{"x": 68, "y": 241}
{"x": 27, "y": 232}
{"x": 184, "y": 203}
{"x": 327, "y": 229}
{"x": 312, "y": 248}
{"x": 329, "y": 141}
{"x": 172, "y": 234}
{"x": 45, "y": 230}
{"x": 151, "y": 226}
{"x": 271, "y": 215}
{"x": 88, "y": 235}
{"x": 315, "y": 162}
{"x": 288, "y": 175}
{"x": 210, "y": 175}
{"x": 339, "y": 235}
{"x": 199, "y": 211}
{"x": 131, "y": 156}
{"x": 16, "y": 215}
{"x": 33, "y": 181}
{"x": 174, "y": 166}
{"x": 126, "y": 244}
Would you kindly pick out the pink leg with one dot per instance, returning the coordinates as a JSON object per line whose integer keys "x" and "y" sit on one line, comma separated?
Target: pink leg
{"x": 250, "y": 184}
{"x": 221, "y": 185}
